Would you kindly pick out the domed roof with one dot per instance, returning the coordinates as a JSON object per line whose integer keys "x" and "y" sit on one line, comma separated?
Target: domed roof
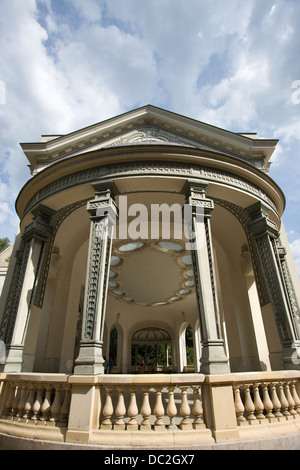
{"x": 151, "y": 335}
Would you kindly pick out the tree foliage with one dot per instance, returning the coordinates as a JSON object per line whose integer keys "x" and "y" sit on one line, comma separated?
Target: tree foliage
{"x": 4, "y": 243}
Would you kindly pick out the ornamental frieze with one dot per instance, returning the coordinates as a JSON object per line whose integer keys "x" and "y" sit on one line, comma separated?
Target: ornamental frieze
{"x": 157, "y": 168}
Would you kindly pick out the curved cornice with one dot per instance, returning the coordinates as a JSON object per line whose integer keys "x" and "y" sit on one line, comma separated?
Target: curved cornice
{"x": 117, "y": 162}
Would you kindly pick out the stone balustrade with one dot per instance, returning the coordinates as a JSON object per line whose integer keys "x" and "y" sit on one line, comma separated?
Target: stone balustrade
{"x": 152, "y": 406}
{"x": 158, "y": 409}
{"x": 262, "y": 401}
{"x": 36, "y": 400}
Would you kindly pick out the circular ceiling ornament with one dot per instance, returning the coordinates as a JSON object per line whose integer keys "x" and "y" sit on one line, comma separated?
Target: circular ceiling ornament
{"x": 132, "y": 246}
{"x": 187, "y": 260}
{"x": 112, "y": 284}
{"x": 184, "y": 291}
{"x": 150, "y": 273}
{"x": 117, "y": 292}
{"x": 115, "y": 260}
{"x": 170, "y": 246}
{"x": 189, "y": 283}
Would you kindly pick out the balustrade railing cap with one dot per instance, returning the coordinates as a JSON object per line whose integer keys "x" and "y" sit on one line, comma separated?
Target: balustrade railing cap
{"x": 37, "y": 377}
{"x": 248, "y": 377}
{"x": 84, "y": 379}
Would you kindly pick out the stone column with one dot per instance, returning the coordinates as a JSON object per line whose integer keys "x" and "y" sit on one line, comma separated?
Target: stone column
{"x": 214, "y": 359}
{"x": 264, "y": 234}
{"x": 20, "y": 299}
{"x": 103, "y": 213}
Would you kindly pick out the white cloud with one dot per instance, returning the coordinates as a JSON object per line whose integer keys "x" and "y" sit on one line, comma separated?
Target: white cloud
{"x": 295, "y": 248}
{"x": 89, "y": 9}
{"x": 66, "y": 64}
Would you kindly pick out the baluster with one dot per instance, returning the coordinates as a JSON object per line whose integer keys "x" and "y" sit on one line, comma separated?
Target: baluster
{"x": 37, "y": 404}
{"x": 15, "y": 402}
{"x": 290, "y": 399}
{"x": 239, "y": 406}
{"x": 22, "y": 401}
{"x": 65, "y": 408}
{"x": 132, "y": 411}
{"x": 267, "y": 403}
{"x": 297, "y": 387}
{"x": 171, "y": 408}
{"x": 259, "y": 406}
{"x": 108, "y": 409}
{"x": 283, "y": 401}
{"x": 9, "y": 401}
{"x": 159, "y": 411}
{"x": 185, "y": 410}
{"x": 198, "y": 422}
{"x": 276, "y": 402}
{"x": 56, "y": 405}
{"x": 29, "y": 403}
{"x": 145, "y": 411}
{"x": 46, "y": 406}
{"x": 120, "y": 411}
{"x": 295, "y": 397}
{"x": 249, "y": 405}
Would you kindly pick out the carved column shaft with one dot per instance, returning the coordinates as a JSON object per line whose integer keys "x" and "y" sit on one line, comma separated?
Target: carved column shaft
{"x": 21, "y": 296}
{"x": 103, "y": 213}
{"x": 288, "y": 286}
{"x": 264, "y": 232}
{"x": 213, "y": 358}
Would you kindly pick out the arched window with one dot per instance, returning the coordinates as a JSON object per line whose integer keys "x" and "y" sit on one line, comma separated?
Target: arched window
{"x": 189, "y": 344}
{"x": 113, "y": 345}
{"x": 151, "y": 350}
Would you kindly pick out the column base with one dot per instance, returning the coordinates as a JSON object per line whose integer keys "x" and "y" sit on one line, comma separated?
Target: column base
{"x": 90, "y": 360}
{"x": 14, "y": 359}
{"x": 214, "y": 359}
{"x": 291, "y": 356}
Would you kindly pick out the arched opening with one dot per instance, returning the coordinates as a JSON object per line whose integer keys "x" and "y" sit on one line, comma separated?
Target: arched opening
{"x": 113, "y": 347}
{"x": 187, "y": 348}
{"x": 189, "y": 344}
{"x": 151, "y": 351}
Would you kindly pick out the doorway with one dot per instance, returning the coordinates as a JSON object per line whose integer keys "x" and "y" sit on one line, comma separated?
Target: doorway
{"x": 151, "y": 351}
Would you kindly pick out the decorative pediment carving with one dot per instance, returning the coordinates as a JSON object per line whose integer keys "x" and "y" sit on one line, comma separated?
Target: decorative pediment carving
{"x": 150, "y": 134}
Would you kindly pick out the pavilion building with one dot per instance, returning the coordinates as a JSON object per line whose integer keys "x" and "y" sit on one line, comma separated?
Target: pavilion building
{"x": 151, "y": 244}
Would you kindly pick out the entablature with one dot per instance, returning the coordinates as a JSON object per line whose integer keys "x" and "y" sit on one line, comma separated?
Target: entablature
{"x": 114, "y": 165}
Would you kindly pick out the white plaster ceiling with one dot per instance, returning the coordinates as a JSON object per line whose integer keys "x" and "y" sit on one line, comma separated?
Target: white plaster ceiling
{"x": 152, "y": 274}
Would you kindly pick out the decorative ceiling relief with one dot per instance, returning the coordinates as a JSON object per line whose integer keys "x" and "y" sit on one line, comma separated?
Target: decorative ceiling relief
{"x": 150, "y": 273}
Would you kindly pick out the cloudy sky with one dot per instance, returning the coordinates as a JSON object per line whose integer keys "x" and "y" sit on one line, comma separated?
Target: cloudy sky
{"x": 66, "y": 64}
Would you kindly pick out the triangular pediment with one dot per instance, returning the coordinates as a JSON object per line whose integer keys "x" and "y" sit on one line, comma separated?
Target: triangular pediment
{"x": 149, "y": 126}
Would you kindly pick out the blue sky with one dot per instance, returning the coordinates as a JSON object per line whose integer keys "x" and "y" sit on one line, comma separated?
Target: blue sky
{"x": 66, "y": 64}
